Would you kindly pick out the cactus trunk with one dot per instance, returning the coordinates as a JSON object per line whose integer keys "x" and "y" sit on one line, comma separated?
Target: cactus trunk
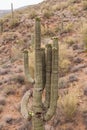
{"x": 38, "y": 88}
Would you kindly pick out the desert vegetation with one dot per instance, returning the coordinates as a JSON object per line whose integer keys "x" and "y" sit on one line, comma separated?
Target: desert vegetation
{"x": 43, "y": 67}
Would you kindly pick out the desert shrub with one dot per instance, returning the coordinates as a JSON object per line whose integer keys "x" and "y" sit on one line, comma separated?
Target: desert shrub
{"x": 56, "y": 7}
{"x": 1, "y": 108}
{"x": 68, "y": 28}
{"x": 64, "y": 62}
{"x": 15, "y": 53}
{"x": 70, "y": 41}
{"x": 47, "y": 13}
{"x": 14, "y": 23}
{"x": 33, "y": 14}
{"x": 9, "y": 90}
{"x": 84, "y": 3}
{"x": 73, "y": 1}
{"x": 73, "y": 10}
{"x": 84, "y": 35}
{"x": 68, "y": 104}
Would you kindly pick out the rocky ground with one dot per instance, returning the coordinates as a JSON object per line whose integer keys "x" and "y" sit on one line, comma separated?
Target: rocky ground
{"x": 12, "y": 80}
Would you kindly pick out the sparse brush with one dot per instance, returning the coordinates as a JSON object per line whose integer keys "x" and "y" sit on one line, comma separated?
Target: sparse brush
{"x": 47, "y": 13}
{"x": 33, "y": 14}
{"x": 14, "y": 23}
{"x": 64, "y": 62}
{"x": 68, "y": 104}
{"x": 84, "y": 35}
{"x": 84, "y": 3}
{"x": 70, "y": 41}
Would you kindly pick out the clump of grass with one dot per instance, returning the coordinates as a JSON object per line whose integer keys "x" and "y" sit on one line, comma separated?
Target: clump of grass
{"x": 33, "y": 14}
{"x": 84, "y": 3}
{"x": 47, "y": 13}
{"x": 68, "y": 28}
{"x": 14, "y": 23}
{"x": 15, "y": 53}
{"x": 9, "y": 90}
{"x": 1, "y": 108}
{"x": 73, "y": 10}
{"x": 70, "y": 41}
{"x": 68, "y": 104}
{"x": 64, "y": 62}
{"x": 56, "y": 7}
{"x": 84, "y": 35}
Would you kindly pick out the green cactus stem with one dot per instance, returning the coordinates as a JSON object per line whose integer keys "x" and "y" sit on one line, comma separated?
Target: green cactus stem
{"x": 26, "y": 68}
{"x": 24, "y": 105}
{"x": 54, "y": 83}
{"x": 43, "y": 67}
{"x": 32, "y": 40}
{"x": 12, "y": 12}
{"x": 48, "y": 75}
{"x": 1, "y": 26}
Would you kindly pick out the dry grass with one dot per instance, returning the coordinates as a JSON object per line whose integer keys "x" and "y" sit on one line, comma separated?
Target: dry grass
{"x": 70, "y": 40}
{"x": 64, "y": 62}
{"x": 68, "y": 104}
{"x": 47, "y": 13}
{"x": 84, "y": 35}
{"x": 84, "y": 3}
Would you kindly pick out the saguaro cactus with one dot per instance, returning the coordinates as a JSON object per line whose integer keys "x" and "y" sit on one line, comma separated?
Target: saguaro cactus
{"x": 46, "y": 77}
{"x": 1, "y": 26}
{"x": 12, "y": 12}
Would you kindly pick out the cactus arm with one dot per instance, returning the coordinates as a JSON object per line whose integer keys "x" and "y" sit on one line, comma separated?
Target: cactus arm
{"x": 54, "y": 83}
{"x": 26, "y": 68}
{"x": 24, "y": 105}
{"x": 43, "y": 67}
{"x": 48, "y": 75}
{"x": 1, "y": 26}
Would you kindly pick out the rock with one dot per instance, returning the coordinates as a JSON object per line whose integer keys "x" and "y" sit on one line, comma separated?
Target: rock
{"x": 2, "y": 101}
{"x": 85, "y": 70}
{"x": 75, "y": 47}
{"x": 8, "y": 119}
{"x": 19, "y": 79}
{"x": 78, "y": 46}
{"x": 73, "y": 78}
{"x": 1, "y": 82}
{"x": 4, "y": 71}
{"x": 85, "y": 118}
{"x": 78, "y": 60}
{"x": 78, "y": 67}
{"x": 7, "y": 66}
{"x": 49, "y": 127}
{"x": 25, "y": 126}
{"x": 18, "y": 120}
{"x": 2, "y": 124}
{"x": 63, "y": 83}
{"x": 1, "y": 108}
{"x": 9, "y": 90}
{"x": 85, "y": 90}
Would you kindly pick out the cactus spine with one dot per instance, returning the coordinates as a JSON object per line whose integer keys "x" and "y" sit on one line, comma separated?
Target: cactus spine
{"x": 46, "y": 77}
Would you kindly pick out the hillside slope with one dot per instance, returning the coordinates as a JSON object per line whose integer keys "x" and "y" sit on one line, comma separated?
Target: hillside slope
{"x": 66, "y": 19}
